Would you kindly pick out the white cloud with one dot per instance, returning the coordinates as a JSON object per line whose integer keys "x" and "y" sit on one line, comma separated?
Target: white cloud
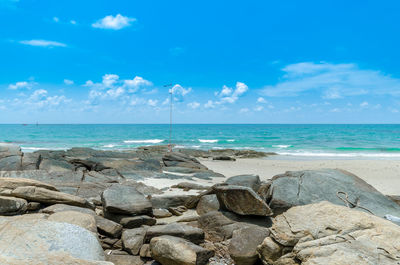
{"x": 209, "y": 105}
{"x": 20, "y": 85}
{"x": 73, "y": 22}
{"x": 179, "y": 90}
{"x": 68, "y": 82}
{"x": 152, "y": 102}
{"x": 40, "y": 98}
{"x": 56, "y": 19}
{"x": 332, "y": 81}
{"x": 258, "y": 108}
{"x": 261, "y": 100}
{"x": 43, "y": 43}
{"x": 136, "y": 83}
{"x": 364, "y": 104}
{"x": 115, "y": 23}
{"x": 194, "y": 105}
{"x": 228, "y": 95}
{"x": 112, "y": 87}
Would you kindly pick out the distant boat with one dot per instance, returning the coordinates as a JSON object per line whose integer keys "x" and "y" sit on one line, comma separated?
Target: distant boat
{"x": 24, "y": 124}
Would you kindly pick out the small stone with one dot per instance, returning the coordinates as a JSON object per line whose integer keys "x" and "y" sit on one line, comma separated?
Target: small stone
{"x": 161, "y": 213}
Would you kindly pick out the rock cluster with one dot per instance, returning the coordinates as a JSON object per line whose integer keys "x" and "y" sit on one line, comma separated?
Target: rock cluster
{"x": 85, "y": 206}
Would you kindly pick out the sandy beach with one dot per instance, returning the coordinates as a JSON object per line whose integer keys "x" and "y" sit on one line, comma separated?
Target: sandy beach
{"x": 384, "y": 175}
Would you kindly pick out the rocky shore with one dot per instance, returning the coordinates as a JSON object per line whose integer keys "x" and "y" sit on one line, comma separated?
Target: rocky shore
{"x": 85, "y": 206}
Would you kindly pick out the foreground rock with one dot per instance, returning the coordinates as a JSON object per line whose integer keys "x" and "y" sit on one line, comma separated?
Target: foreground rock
{"x": 324, "y": 233}
{"x": 37, "y": 241}
{"x": 187, "y": 232}
{"x": 207, "y": 203}
{"x": 119, "y": 199}
{"x": 244, "y": 242}
{"x": 12, "y": 206}
{"x": 83, "y": 220}
{"x": 242, "y": 200}
{"x": 169, "y": 250}
{"x": 133, "y": 239}
{"x": 46, "y": 196}
{"x": 10, "y": 157}
{"x": 311, "y": 186}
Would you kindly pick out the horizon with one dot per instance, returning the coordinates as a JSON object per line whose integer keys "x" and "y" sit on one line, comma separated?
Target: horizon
{"x": 74, "y": 62}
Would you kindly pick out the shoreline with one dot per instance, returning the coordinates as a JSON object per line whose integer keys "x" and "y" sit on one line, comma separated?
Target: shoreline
{"x": 384, "y": 175}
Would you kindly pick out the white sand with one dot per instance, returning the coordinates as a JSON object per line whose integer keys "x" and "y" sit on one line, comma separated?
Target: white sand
{"x": 384, "y": 175}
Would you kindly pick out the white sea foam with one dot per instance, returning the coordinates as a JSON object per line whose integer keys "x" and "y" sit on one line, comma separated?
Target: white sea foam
{"x": 208, "y": 141}
{"x": 230, "y": 140}
{"x": 150, "y": 141}
{"x": 281, "y": 146}
{"x": 320, "y": 154}
{"x": 109, "y": 145}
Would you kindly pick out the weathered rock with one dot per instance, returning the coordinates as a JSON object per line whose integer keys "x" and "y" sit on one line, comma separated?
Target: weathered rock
{"x": 12, "y": 206}
{"x": 10, "y": 157}
{"x": 33, "y": 206}
{"x": 174, "y": 211}
{"x": 311, "y": 186}
{"x": 133, "y": 239}
{"x": 108, "y": 227}
{"x": 56, "y": 208}
{"x": 241, "y": 200}
{"x": 187, "y": 232}
{"x": 161, "y": 213}
{"x": 177, "y": 159}
{"x": 13, "y": 183}
{"x": 189, "y": 186}
{"x": 137, "y": 221}
{"x": 30, "y": 161}
{"x": 124, "y": 259}
{"x": 207, "y": 203}
{"x": 169, "y": 250}
{"x": 244, "y": 242}
{"x": 224, "y": 158}
{"x": 166, "y": 201}
{"x": 83, "y": 220}
{"x": 55, "y": 165}
{"x": 40, "y": 241}
{"x": 251, "y": 181}
{"x": 325, "y": 233}
{"x": 119, "y": 199}
{"x": 46, "y": 196}
{"x": 145, "y": 251}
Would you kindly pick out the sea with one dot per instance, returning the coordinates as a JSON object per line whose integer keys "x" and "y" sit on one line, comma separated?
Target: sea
{"x": 300, "y": 140}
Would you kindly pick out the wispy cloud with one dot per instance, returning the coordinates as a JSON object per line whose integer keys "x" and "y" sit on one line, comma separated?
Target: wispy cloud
{"x": 229, "y": 95}
{"x": 21, "y": 85}
{"x": 68, "y": 82}
{"x": 114, "y": 22}
{"x": 332, "y": 81}
{"x": 43, "y": 43}
{"x": 193, "y": 105}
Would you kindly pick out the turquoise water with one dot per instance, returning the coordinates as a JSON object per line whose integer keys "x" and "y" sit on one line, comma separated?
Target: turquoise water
{"x": 303, "y": 140}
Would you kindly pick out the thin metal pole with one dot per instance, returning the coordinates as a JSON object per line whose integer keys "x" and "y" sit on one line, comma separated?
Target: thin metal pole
{"x": 170, "y": 121}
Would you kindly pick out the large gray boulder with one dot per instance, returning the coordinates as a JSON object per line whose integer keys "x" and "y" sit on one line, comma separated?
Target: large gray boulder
{"x": 241, "y": 200}
{"x": 120, "y": 199}
{"x": 12, "y": 206}
{"x": 325, "y": 233}
{"x": 83, "y": 220}
{"x": 193, "y": 234}
{"x": 169, "y": 250}
{"x": 251, "y": 181}
{"x": 311, "y": 186}
{"x": 244, "y": 242}
{"x": 108, "y": 227}
{"x": 38, "y": 241}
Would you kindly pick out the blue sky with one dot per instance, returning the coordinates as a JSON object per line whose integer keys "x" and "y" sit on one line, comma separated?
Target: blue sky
{"x": 229, "y": 61}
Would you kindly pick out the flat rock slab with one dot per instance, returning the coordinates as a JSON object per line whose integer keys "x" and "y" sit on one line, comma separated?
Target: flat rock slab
{"x": 325, "y": 233}
{"x": 169, "y": 250}
{"x": 193, "y": 234}
{"x": 251, "y": 181}
{"x": 241, "y": 200}
{"x": 38, "y": 239}
{"x": 46, "y": 196}
{"x": 13, "y": 183}
{"x": 120, "y": 199}
{"x": 207, "y": 203}
{"x": 312, "y": 186}
{"x": 56, "y": 208}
